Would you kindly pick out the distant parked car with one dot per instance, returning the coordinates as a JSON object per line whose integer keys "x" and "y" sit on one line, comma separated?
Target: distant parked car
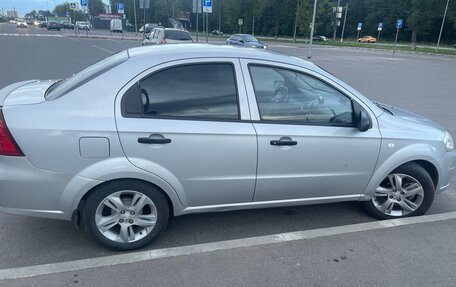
{"x": 148, "y": 28}
{"x": 44, "y": 24}
{"x": 52, "y": 25}
{"x": 167, "y": 36}
{"x": 367, "y": 39}
{"x": 66, "y": 25}
{"x": 217, "y": 32}
{"x": 21, "y": 24}
{"x": 245, "y": 40}
{"x": 83, "y": 25}
{"x": 320, "y": 38}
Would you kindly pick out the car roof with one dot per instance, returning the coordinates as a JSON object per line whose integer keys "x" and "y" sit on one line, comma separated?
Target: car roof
{"x": 186, "y": 51}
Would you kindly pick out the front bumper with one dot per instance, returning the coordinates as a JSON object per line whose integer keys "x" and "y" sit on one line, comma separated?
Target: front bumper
{"x": 448, "y": 167}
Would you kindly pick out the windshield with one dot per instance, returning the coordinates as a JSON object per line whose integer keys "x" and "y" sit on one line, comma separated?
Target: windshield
{"x": 62, "y": 87}
{"x": 249, "y": 38}
{"x": 177, "y": 35}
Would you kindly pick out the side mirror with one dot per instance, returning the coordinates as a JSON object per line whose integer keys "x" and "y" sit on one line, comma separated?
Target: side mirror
{"x": 364, "y": 122}
{"x": 241, "y": 41}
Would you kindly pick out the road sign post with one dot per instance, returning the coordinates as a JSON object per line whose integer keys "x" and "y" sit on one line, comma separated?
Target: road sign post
{"x": 399, "y": 24}
{"x": 240, "y": 23}
{"x": 73, "y": 7}
{"x": 379, "y": 29}
{"x": 120, "y": 8}
{"x": 360, "y": 26}
{"x": 207, "y": 8}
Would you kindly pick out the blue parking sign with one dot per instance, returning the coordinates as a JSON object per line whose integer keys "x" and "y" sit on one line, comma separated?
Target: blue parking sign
{"x": 207, "y": 6}
{"x": 84, "y": 3}
{"x": 360, "y": 26}
{"x": 120, "y": 8}
{"x": 399, "y": 23}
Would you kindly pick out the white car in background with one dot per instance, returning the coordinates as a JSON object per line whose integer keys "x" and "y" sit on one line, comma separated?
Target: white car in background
{"x": 166, "y": 36}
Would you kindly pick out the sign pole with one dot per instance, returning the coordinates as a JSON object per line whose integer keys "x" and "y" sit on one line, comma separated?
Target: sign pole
{"x": 136, "y": 24}
{"x": 197, "y": 16}
{"x": 395, "y": 41}
{"x": 399, "y": 23}
{"x": 207, "y": 27}
{"x": 378, "y": 36}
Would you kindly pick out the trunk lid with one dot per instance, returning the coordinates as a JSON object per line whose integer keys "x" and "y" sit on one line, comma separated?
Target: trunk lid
{"x": 24, "y": 93}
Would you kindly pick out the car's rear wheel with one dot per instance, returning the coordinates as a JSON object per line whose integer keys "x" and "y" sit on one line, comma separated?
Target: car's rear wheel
{"x": 125, "y": 215}
{"x": 407, "y": 191}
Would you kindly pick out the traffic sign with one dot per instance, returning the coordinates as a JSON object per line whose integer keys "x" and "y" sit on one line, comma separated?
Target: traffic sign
{"x": 240, "y": 22}
{"x": 399, "y": 23}
{"x": 360, "y": 26}
{"x": 380, "y": 26}
{"x": 207, "y": 6}
{"x": 68, "y": 14}
{"x": 120, "y": 8}
{"x": 73, "y": 6}
{"x": 84, "y": 3}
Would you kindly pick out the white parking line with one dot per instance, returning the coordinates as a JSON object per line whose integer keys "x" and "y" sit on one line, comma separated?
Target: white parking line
{"x": 103, "y": 49}
{"x": 45, "y": 269}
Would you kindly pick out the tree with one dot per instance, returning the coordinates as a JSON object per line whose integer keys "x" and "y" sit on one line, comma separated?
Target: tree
{"x": 96, "y": 7}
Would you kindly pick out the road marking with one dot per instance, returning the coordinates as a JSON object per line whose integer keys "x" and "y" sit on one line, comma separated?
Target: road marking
{"x": 103, "y": 49}
{"x": 72, "y": 38}
{"x": 115, "y": 41}
{"x": 53, "y": 268}
{"x": 31, "y": 35}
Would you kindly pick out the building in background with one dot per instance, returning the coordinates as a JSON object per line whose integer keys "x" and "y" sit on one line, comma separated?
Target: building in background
{"x": 11, "y": 14}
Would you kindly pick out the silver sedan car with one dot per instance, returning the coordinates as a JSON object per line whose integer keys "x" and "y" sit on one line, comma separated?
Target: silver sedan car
{"x": 163, "y": 131}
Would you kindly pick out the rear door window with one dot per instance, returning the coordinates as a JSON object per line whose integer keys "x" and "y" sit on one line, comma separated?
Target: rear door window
{"x": 194, "y": 91}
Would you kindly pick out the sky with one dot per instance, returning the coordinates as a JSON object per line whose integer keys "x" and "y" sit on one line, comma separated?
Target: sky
{"x": 25, "y": 6}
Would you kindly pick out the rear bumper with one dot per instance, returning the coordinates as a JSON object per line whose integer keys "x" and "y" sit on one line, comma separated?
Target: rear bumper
{"x": 27, "y": 190}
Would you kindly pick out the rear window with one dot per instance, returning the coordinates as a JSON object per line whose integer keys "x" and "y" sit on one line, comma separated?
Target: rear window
{"x": 62, "y": 87}
{"x": 177, "y": 35}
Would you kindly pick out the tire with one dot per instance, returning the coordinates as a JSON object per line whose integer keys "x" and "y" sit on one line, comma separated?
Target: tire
{"x": 406, "y": 191}
{"x": 113, "y": 221}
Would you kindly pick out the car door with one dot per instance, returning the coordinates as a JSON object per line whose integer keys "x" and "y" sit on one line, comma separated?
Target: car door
{"x": 308, "y": 145}
{"x": 188, "y": 123}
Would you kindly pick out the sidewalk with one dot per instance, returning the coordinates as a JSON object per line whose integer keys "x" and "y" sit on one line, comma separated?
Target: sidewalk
{"x": 388, "y": 253}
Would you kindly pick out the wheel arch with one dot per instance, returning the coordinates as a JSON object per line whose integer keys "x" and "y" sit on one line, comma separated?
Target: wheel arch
{"x": 402, "y": 157}
{"x": 76, "y": 215}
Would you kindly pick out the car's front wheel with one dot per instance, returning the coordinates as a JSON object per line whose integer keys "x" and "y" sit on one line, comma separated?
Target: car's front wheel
{"x": 406, "y": 191}
{"x": 125, "y": 215}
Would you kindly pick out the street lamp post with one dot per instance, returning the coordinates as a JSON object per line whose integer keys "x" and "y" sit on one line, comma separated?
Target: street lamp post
{"x": 441, "y": 28}
{"x": 312, "y": 29}
{"x": 343, "y": 26}
{"x": 136, "y": 24}
{"x": 296, "y": 21}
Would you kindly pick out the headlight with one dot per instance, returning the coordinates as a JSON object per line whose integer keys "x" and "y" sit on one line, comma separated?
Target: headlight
{"x": 448, "y": 142}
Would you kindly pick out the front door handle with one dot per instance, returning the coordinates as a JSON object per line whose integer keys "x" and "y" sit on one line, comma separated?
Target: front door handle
{"x": 149, "y": 140}
{"x": 283, "y": 142}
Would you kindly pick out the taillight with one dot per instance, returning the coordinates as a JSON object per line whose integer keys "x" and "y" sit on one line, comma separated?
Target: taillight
{"x": 7, "y": 144}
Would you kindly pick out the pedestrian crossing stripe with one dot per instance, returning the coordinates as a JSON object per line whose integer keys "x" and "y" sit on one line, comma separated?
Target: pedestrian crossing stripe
{"x": 30, "y": 35}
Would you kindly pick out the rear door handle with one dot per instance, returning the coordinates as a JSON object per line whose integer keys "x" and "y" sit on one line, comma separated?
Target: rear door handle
{"x": 149, "y": 140}
{"x": 283, "y": 142}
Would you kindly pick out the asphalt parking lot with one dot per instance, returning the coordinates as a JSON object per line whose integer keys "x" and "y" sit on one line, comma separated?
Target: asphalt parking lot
{"x": 424, "y": 84}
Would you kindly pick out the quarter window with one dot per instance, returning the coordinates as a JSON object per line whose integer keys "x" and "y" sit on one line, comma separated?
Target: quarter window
{"x": 203, "y": 91}
{"x": 289, "y": 96}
